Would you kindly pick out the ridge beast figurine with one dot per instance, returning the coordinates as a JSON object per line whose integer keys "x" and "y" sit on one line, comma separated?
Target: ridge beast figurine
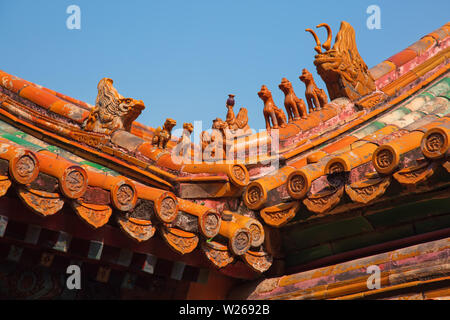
{"x": 315, "y": 97}
{"x": 295, "y": 107}
{"x": 162, "y": 136}
{"x": 236, "y": 122}
{"x": 271, "y": 112}
{"x": 184, "y": 143}
{"x": 112, "y": 111}
{"x": 341, "y": 67}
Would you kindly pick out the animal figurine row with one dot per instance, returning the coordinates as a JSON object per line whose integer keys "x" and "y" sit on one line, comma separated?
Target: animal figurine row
{"x": 295, "y": 107}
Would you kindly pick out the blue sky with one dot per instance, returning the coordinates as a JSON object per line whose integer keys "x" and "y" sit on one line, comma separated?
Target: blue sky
{"x": 183, "y": 58}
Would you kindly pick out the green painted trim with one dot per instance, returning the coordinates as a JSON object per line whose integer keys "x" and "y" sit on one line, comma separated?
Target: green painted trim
{"x": 440, "y": 88}
{"x": 409, "y": 212}
{"x": 372, "y": 238}
{"x": 308, "y": 255}
{"x": 295, "y": 239}
{"x": 432, "y": 224}
{"x": 19, "y": 137}
{"x": 99, "y": 167}
{"x": 21, "y": 141}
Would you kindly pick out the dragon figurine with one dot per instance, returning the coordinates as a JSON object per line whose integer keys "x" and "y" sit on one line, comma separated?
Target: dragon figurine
{"x": 341, "y": 67}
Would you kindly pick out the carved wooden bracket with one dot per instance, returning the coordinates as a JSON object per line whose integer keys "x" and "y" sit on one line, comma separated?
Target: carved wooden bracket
{"x": 324, "y": 200}
{"x": 138, "y": 229}
{"x": 217, "y": 253}
{"x": 367, "y": 190}
{"x": 95, "y": 215}
{"x": 259, "y": 261}
{"x": 280, "y": 214}
{"x": 42, "y": 202}
{"x": 179, "y": 240}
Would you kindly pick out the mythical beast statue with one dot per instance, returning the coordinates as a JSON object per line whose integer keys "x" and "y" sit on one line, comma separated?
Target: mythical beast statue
{"x": 112, "y": 111}
{"x": 341, "y": 67}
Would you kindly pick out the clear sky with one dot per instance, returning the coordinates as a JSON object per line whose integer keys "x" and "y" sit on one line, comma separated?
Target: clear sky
{"x": 183, "y": 58}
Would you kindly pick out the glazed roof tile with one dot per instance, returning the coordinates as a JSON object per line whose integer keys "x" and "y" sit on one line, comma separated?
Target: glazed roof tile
{"x": 341, "y": 158}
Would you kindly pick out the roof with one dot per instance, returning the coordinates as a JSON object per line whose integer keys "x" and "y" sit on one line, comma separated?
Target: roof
{"x": 321, "y": 183}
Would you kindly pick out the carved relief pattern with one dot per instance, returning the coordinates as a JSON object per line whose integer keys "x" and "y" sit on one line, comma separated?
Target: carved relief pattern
{"x": 181, "y": 242}
{"x": 336, "y": 167}
{"x": 239, "y": 173}
{"x": 280, "y": 214}
{"x": 240, "y": 242}
{"x": 139, "y": 230}
{"x": 88, "y": 139}
{"x": 384, "y": 158}
{"x": 75, "y": 181}
{"x": 254, "y": 195}
{"x": 211, "y": 224}
{"x": 218, "y": 254}
{"x": 25, "y": 166}
{"x": 415, "y": 174}
{"x": 95, "y": 215}
{"x": 372, "y": 100}
{"x": 258, "y": 261}
{"x": 44, "y": 203}
{"x": 446, "y": 165}
{"x": 168, "y": 209}
{"x": 144, "y": 210}
{"x": 125, "y": 194}
{"x": 366, "y": 191}
{"x": 5, "y": 183}
{"x": 297, "y": 183}
{"x": 434, "y": 142}
{"x": 324, "y": 201}
{"x": 255, "y": 232}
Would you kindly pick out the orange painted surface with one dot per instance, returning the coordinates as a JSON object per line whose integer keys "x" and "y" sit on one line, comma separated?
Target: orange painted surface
{"x": 38, "y": 96}
{"x": 340, "y": 144}
{"x": 315, "y": 157}
{"x": 209, "y": 220}
{"x": 65, "y": 171}
{"x": 436, "y": 140}
{"x": 403, "y": 57}
{"x": 165, "y": 202}
{"x": 237, "y": 173}
{"x": 256, "y": 193}
{"x": 351, "y": 159}
{"x": 12, "y": 83}
{"x": 23, "y": 164}
{"x": 387, "y": 130}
